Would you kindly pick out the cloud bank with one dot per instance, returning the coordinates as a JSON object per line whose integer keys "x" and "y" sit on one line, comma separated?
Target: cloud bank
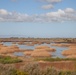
{"x": 60, "y": 15}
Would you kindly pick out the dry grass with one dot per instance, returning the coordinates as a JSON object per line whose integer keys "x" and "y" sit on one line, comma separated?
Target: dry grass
{"x": 71, "y": 51}
{"x": 8, "y": 49}
{"x": 40, "y": 53}
{"x": 29, "y": 52}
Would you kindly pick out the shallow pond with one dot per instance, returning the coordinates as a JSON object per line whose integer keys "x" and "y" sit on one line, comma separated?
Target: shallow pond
{"x": 57, "y": 53}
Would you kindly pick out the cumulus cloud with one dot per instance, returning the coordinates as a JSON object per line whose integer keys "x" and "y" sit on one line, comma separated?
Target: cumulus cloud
{"x": 49, "y": 6}
{"x": 69, "y": 10}
{"x": 3, "y": 12}
{"x": 67, "y": 14}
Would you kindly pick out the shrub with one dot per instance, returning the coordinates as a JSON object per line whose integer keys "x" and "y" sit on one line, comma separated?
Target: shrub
{"x": 7, "y": 70}
{"x": 67, "y": 73}
{"x": 35, "y": 69}
{"x": 21, "y": 73}
{"x": 32, "y": 69}
{"x": 10, "y": 70}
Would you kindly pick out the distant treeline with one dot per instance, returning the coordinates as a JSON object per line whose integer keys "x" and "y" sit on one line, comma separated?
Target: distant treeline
{"x": 57, "y": 40}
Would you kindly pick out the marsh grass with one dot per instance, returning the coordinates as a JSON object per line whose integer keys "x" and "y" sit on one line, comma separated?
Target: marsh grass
{"x": 55, "y": 59}
{"x": 9, "y": 60}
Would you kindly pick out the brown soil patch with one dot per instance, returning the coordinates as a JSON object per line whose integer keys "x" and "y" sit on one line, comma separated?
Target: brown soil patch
{"x": 61, "y": 65}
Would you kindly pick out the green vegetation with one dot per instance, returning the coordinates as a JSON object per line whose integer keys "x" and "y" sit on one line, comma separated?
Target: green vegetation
{"x": 56, "y": 59}
{"x": 18, "y": 72}
{"x": 9, "y": 60}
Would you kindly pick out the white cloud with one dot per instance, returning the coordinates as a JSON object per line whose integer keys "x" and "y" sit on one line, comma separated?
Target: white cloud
{"x": 62, "y": 15}
{"x": 67, "y": 14}
{"x": 51, "y": 1}
{"x": 59, "y": 13}
{"x": 49, "y": 6}
{"x": 3, "y": 12}
{"x": 69, "y": 10}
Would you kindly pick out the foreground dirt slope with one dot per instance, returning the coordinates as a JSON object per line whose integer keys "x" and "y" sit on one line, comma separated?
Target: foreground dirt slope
{"x": 59, "y": 65}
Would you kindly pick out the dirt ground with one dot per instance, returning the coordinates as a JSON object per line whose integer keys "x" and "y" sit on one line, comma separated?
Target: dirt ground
{"x": 60, "y": 65}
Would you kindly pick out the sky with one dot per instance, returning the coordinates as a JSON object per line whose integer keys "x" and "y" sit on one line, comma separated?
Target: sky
{"x": 38, "y": 18}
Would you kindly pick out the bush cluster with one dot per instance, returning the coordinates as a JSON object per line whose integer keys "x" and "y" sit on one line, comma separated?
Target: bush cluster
{"x": 32, "y": 69}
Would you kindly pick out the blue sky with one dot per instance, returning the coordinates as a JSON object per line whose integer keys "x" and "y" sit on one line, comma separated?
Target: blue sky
{"x": 38, "y": 18}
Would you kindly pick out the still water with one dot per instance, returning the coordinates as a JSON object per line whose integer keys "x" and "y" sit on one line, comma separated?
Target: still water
{"x": 57, "y": 53}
